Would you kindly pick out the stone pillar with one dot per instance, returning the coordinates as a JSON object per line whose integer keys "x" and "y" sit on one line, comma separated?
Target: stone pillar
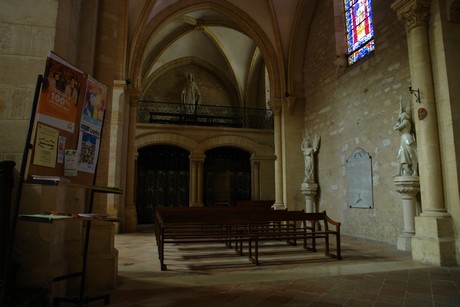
{"x": 199, "y": 185}
{"x": 255, "y": 179}
{"x": 407, "y": 187}
{"x": 196, "y": 181}
{"x": 115, "y": 172}
{"x": 130, "y": 216}
{"x": 276, "y": 107}
{"x": 433, "y": 241}
{"x": 309, "y": 189}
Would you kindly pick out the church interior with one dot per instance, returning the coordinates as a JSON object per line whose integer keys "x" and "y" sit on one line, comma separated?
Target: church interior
{"x": 351, "y": 107}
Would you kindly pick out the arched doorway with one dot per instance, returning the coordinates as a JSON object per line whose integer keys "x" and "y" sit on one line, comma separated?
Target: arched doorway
{"x": 162, "y": 180}
{"x": 227, "y": 176}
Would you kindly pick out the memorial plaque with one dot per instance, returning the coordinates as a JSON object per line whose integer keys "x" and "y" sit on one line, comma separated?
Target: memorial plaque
{"x": 359, "y": 179}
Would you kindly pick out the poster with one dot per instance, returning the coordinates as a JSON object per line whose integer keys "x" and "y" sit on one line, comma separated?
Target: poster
{"x": 46, "y": 146}
{"x": 61, "y": 148}
{"x": 61, "y": 92}
{"x": 88, "y": 149}
{"x": 92, "y": 119}
{"x": 70, "y": 164}
{"x": 94, "y": 104}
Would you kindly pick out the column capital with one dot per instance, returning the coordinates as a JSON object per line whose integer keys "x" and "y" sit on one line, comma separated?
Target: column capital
{"x": 119, "y": 84}
{"x": 275, "y": 105}
{"x": 412, "y": 13}
{"x": 197, "y": 158}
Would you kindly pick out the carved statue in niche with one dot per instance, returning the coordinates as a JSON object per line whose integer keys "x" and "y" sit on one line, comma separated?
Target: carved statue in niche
{"x": 309, "y": 149}
{"x": 191, "y": 95}
{"x": 407, "y": 154}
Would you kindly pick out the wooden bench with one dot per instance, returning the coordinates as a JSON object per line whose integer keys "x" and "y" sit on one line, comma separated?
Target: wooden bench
{"x": 294, "y": 225}
{"x": 237, "y": 225}
{"x": 254, "y": 203}
{"x": 201, "y": 225}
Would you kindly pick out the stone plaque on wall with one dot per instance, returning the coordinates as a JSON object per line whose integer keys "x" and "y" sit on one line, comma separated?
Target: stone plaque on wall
{"x": 359, "y": 179}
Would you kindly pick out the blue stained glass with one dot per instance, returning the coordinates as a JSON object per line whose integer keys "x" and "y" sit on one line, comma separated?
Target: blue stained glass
{"x": 359, "y": 27}
{"x": 365, "y": 50}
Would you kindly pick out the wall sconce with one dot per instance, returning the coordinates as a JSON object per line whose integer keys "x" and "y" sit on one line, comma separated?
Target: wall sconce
{"x": 416, "y": 93}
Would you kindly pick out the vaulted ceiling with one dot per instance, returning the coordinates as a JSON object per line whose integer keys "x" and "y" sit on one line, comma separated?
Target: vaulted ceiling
{"x": 235, "y": 39}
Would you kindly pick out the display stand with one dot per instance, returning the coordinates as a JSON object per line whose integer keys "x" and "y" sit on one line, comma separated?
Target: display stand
{"x": 48, "y": 169}
{"x": 87, "y": 218}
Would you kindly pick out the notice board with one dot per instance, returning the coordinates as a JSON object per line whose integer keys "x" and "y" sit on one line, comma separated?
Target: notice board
{"x": 68, "y": 127}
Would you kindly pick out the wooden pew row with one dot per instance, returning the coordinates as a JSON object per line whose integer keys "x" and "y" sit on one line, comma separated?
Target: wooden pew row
{"x": 202, "y": 225}
{"x": 254, "y": 203}
{"x": 238, "y": 225}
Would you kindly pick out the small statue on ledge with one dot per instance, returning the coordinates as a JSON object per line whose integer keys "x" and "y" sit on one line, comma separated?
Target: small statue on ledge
{"x": 407, "y": 153}
{"x": 309, "y": 150}
{"x": 191, "y": 95}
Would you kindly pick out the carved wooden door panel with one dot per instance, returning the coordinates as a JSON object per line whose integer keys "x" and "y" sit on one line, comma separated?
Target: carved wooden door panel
{"x": 227, "y": 176}
{"x": 162, "y": 180}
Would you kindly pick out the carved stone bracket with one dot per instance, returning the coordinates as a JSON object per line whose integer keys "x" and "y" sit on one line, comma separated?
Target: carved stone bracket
{"x": 407, "y": 186}
{"x": 275, "y": 105}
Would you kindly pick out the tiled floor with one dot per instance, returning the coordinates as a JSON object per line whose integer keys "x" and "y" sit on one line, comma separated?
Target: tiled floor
{"x": 370, "y": 274}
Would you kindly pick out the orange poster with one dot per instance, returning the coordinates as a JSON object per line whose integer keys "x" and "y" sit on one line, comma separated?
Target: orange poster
{"x": 62, "y": 91}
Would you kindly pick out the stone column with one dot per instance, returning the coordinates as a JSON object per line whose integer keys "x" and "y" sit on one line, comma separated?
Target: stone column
{"x": 407, "y": 187}
{"x": 433, "y": 241}
{"x": 130, "y": 216}
{"x": 276, "y": 107}
{"x": 115, "y": 172}
{"x": 255, "y": 179}
{"x": 309, "y": 189}
{"x": 196, "y": 180}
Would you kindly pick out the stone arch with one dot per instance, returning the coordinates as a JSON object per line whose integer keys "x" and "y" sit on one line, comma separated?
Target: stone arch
{"x": 166, "y": 138}
{"x": 236, "y": 141}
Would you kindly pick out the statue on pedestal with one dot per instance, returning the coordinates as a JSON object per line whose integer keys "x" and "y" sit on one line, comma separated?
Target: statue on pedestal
{"x": 407, "y": 153}
{"x": 309, "y": 149}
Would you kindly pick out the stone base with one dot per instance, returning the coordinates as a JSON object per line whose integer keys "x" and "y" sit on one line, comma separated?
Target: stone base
{"x": 130, "y": 224}
{"x": 404, "y": 242}
{"x": 434, "y": 241}
{"x": 279, "y": 206}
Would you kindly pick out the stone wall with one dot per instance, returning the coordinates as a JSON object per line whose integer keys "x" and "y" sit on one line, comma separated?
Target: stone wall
{"x": 357, "y": 107}
{"x": 27, "y": 33}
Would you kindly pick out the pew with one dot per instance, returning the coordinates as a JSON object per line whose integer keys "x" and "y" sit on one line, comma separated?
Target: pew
{"x": 235, "y": 226}
{"x": 254, "y": 203}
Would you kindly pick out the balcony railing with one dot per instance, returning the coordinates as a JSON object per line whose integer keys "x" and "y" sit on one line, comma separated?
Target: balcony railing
{"x": 203, "y": 115}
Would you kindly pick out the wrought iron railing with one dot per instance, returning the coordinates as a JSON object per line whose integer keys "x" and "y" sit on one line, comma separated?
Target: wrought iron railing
{"x": 203, "y": 115}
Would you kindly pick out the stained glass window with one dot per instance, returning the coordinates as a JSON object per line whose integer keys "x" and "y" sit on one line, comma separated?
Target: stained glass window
{"x": 360, "y": 30}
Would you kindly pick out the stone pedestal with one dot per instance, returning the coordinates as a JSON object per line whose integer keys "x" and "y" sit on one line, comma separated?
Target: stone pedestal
{"x": 309, "y": 189}
{"x": 407, "y": 187}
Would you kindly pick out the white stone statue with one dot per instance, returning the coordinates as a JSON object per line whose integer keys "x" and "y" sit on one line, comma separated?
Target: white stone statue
{"x": 309, "y": 149}
{"x": 191, "y": 95}
{"x": 407, "y": 153}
